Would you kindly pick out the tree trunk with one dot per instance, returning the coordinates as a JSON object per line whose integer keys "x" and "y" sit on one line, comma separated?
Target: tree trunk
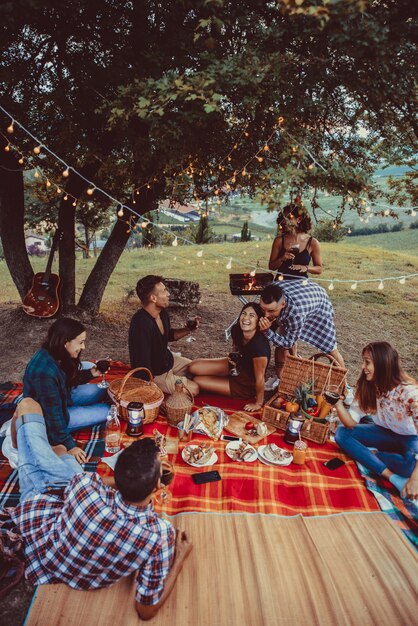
{"x": 99, "y": 276}
{"x": 12, "y": 217}
{"x": 66, "y": 223}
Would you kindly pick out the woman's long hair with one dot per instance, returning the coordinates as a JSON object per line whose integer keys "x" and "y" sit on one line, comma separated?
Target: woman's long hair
{"x": 236, "y": 331}
{"x": 388, "y": 374}
{"x": 296, "y": 210}
{"x": 62, "y": 330}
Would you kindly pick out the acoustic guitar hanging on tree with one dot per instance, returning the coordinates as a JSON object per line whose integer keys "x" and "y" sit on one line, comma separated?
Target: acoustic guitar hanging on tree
{"x": 43, "y": 298}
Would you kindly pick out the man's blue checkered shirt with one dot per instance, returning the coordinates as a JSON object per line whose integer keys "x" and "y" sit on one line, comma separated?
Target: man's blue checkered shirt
{"x": 308, "y": 315}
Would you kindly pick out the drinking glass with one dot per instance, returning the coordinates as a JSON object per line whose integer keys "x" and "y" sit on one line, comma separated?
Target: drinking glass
{"x": 164, "y": 495}
{"x": 103, "y": 366}
{"x": 191, "y": 325}
{"x": 332, "y": 395}
{"x": 234, "y": 356}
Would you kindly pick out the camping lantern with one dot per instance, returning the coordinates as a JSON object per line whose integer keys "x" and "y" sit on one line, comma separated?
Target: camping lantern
{"x": 294, "y": 426}
{"x": 136, "y": 414}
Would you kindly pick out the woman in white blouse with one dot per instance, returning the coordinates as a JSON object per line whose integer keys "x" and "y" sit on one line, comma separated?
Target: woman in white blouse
{"x": 391, "y": 397}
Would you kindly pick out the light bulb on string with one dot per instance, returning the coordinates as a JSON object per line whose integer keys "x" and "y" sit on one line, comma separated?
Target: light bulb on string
{"x": 59, "y": 190}
{"x": 161, "y": 251}
{"x": 266, "y": 148}
{"x": 174, "y": 258}
{"x": 402, "y": 280}
{"x": 66, "y": 172}
{"x": 200, "y": 253}
{"x": 48, "y": 183}
{"x": 203, "y": 262}
{"x": 305, "y": 282}
{"x": 75, "y": 203}
{"x": 10, "y": 129}
{"x": 36, "y": 174}
{"x": 331, "y": 286}
{"x": 413, "y": 213}
{"x": 252, "y": 273}
{"x": 367, "y": 209}
{"x": 189, "y": 261}
{"x": 349, "y": 231}
{"x": 354, "y": 286}
{"x": 37, "y": 149}
{"x": 7, "y": 148}
{"x": 120, "y": 211}
{"x": 91, "y": 191}
{"x": 66, "y": 197}
{"x": 21, "y": 161}
{"x": 229, "y": 264}
{"x": 144, "y": 224}
{"x": 386, "y": 212}
{"x": 175, "y": 242}
{"x": 381, "y": 285}
{"x": 280, "y": 277}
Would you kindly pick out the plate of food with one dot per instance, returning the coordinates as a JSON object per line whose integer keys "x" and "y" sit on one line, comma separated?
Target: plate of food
{"x": 199, "y": 455}
{"x": 271, "y": 454}
{"x": 211, "y": 421}
{"x": 241, "y": 451}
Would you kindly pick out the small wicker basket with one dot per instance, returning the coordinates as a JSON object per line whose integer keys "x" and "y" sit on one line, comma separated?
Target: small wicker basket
{"x": 128, "y": 389}
{"x": 296, "y": 371}
{"x": 178, "y": 404}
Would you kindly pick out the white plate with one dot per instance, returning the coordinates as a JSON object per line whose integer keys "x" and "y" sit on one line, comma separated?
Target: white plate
{"x": 267, "y": 461}
{"x": 213, "y": 459}
{"x": 234, "y": 445}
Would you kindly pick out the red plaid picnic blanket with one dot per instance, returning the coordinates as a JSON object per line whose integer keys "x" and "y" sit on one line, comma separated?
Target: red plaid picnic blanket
{"x": 246, "y": 487}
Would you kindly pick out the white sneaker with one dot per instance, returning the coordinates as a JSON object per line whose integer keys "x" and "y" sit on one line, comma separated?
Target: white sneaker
{"x": 349, "y": 395}
{"x": 271, "y": 383}
{"x": 7, "y": 449}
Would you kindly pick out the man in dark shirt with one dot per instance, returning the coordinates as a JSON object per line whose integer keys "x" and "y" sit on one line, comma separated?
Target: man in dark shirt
{"x": 149, "y": 334}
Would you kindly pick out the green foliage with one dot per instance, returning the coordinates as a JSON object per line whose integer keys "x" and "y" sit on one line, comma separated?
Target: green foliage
{"x": 202, "y": 233}
{"x": 245, "y": 232}
{"x": 149, "y": 233}
{"x": 328, "y": 230}
{"x": 414, "y": 224}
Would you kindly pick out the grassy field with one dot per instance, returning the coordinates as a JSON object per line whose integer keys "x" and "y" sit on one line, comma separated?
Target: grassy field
{"x": 354, "y": 259}
{"x": 405, "y": 241}
{"x": 362, "y": 315}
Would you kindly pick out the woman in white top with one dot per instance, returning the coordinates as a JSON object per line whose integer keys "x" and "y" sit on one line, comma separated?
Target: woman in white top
{"x": 391, "y": 396}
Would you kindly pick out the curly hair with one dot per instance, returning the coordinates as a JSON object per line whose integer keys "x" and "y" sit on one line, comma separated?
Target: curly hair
{"x": 296, "y": 210}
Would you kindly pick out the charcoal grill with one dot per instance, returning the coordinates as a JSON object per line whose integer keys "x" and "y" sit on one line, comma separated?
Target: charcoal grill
{"x": 247, "y": 285}
{"x": 244, "y": 285}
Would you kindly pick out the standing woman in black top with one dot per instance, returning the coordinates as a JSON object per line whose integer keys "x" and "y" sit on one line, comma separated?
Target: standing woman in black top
{"x": 254, "y": 355}
{"x": 293, "y": 249}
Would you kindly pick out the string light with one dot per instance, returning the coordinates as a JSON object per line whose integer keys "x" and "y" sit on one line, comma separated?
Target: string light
{"x": 37, "y": 149}
{"x": 7, "y": 148}
{"x": 281, "y": 277}
{"x": 36, "y": 174}
{"x": 229, "y": 264}
{"x": 91, "y": 190}
{"x": 305, "y": 282}
{"x": 200, "y": 253}
{"x": 386, "y": 212}
{"x": 413, "y": 213}
{"x": 21, "y": 161}
{"x": 354, "y": 286}
{"x": 331, "y": 286}
{"x": 66, "y": 172}
{"x": 381, "y": 285}
{"x": 175, "y": 242}
{"x": 252, "y": 273}
{"x": 48, "y": 183}
{"x": 10, "y": 129}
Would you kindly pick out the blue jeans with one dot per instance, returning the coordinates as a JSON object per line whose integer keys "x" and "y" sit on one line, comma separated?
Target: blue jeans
{"x": 88, "y": 406}
{"x": 395, "y": 452}
{"x": 40, "y": 469}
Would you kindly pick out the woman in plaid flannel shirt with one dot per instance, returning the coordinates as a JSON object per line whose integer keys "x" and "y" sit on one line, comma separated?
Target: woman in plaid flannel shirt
{"x": 54, "y": 378}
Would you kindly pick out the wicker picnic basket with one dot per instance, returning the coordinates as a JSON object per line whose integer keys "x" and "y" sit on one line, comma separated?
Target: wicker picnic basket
{"x": 128, "y": 389}
{"x": 295, "y": 372}
{"x": 178, "y": 404}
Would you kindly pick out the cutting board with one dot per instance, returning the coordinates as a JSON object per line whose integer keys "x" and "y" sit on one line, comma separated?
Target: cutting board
{"x": 236, "y": 426}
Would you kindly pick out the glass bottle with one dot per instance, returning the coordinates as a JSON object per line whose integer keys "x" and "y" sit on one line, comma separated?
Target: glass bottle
{"x": 112, "y": 436}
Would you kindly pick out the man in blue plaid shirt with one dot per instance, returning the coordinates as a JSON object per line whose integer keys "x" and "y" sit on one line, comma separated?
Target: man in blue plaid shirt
{"x": 79, "y": 531}
{"x": 296, "y": 311}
